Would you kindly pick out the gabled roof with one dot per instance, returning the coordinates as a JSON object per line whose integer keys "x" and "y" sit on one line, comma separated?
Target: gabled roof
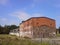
{"x": 44, "y": 17}
{"x": 37, "y": 17}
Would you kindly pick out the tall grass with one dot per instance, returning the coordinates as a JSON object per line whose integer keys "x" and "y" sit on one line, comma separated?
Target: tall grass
{"x": 58, "y": 35}
{"x": 13, "y": 40}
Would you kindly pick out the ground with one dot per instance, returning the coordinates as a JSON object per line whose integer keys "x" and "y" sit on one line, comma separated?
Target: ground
{"x": 14, "y": 40}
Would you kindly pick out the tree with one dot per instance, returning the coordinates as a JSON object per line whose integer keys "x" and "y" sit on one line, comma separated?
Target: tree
{"x": 13, "y": 27}
{"x": 1, "y": 28}
{"x": 6, "y": 29}
{"x": 59, "y": 29}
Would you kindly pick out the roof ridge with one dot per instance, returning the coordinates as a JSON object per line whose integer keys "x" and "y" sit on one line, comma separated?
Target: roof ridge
{"x": 37, "y": 17}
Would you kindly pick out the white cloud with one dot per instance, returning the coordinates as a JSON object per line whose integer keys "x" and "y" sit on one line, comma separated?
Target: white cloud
{"x": 23, "y": 15}
{"x": 4, "y": 2}
{"x": 19, "y": 14}
{"x": 3, "y": 19}
{"x": 12, "y": 22}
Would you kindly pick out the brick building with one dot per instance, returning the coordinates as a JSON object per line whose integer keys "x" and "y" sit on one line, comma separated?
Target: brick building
{"x": 37, "y": 27}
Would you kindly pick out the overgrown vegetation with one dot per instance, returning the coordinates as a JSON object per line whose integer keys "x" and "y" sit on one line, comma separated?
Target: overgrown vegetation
{"x": 13, "y": 40}
{"x": 6, "y": 29}
{"x": 58, "y": 35}
{"x": 59, "y": 29}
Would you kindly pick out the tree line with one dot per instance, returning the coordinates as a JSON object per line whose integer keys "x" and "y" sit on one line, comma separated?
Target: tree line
{"x": 6, "y": 29}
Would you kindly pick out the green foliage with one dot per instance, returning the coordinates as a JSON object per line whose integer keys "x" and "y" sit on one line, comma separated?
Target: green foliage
{"x": 58, "y": 35}
{"x": 6, "y": 29}
{"x": 13, "y": 27}
{"x": 59, "y": 29}
{"x": 13, "y": 40}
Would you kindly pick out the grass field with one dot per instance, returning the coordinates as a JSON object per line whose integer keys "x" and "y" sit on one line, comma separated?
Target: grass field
{"x": 58, "y": 35}
{"x": 13, "y": 40}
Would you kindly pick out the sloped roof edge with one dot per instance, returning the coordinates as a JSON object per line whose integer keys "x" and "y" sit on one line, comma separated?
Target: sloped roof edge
{"x": 37, "y": 17}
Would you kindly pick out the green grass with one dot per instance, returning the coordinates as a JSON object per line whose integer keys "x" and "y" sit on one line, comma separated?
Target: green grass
{"x": 58, "y": 35}
{"x": 13, "y": 40}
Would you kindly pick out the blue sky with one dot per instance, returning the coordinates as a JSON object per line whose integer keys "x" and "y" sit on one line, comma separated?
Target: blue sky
{"x": 15, "y": 11}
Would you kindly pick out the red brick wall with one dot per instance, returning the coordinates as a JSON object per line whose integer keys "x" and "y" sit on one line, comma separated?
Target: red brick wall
{"x": 43, "y": 21}
{"x": 35, "y": 22}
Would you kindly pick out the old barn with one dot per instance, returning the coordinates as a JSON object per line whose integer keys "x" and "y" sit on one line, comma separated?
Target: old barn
{"x": 37, "y": 27}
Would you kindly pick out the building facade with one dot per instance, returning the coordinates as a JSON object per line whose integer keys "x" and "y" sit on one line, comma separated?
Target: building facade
{"x": 37, "y": 27}
{"x": 14, "y": 32}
